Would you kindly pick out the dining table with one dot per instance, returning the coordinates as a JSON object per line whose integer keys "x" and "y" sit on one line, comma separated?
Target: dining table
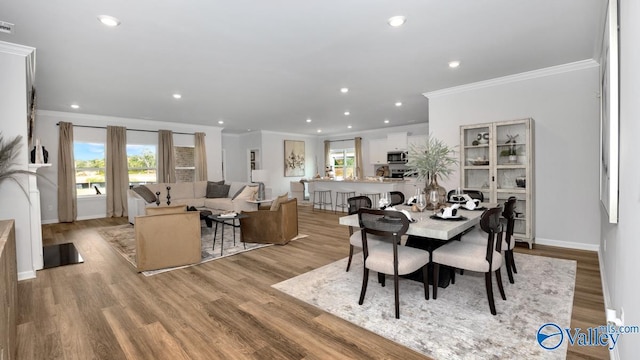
{"x": 426, "y": 226}
{"x": 428, "y": 232}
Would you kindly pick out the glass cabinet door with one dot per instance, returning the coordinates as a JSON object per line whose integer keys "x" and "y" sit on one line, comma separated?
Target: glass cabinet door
{"x": 475, "y": 159}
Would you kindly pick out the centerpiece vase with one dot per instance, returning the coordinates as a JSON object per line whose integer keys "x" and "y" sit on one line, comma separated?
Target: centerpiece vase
{"x": 442, "y": 192}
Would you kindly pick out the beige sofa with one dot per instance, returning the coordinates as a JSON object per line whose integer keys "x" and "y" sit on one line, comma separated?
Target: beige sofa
{"x": 189, "y": 194}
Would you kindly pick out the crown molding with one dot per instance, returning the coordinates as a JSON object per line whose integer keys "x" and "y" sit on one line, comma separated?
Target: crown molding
{"x": 553, "y": 70}
{"x": 16, "y": 49}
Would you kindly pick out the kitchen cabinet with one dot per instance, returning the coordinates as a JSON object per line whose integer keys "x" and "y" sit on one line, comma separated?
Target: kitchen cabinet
{"x": 378, "y": 151}
{"x": 415, "y": 140}
{"x": 497, "y": 159}
{"x": 397, "y": 141}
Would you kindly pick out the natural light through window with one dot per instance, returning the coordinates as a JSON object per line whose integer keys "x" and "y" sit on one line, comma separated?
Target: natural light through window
{"x": 343, "y": 161}
{"x": 141, "y": 160}
{"x": 90, "y": 168}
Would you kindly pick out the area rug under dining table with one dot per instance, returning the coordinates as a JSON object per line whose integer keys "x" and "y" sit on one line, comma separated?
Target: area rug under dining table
{"x": 457, "y": 325}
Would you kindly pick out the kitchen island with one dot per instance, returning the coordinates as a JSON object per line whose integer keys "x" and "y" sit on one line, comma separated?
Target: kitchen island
{"x": 364, "y": 186}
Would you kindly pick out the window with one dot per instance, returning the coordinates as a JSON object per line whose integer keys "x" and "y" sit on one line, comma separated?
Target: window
{"x": 90, "y": 168}
{"x": 141, "y": 160}
{"x": 343, "y": 161}
{"x": 185, "y": 164}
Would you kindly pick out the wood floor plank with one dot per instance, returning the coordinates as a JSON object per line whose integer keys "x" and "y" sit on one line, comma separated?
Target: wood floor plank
{"x": 224, "y": 309}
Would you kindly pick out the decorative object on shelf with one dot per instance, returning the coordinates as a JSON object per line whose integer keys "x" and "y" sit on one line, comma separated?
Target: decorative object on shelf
{"x": 483, "y": 138}
{"x": 293, "y": 158}
{"x": 512, "y": 150}
{"x": 8, "y": 153}
{"x": 521, "y": 181}
{"x": 432, "y": 159}
{"x": 44, "y": 155}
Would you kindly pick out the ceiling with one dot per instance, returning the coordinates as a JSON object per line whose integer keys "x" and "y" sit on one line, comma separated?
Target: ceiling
{"x": 271, "y": 65}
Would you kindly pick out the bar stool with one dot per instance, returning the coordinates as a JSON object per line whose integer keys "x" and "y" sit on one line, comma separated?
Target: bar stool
{"x": 320, "y": 199}
{"x": 375, "y": 198}
{"x": 343, "y": 196}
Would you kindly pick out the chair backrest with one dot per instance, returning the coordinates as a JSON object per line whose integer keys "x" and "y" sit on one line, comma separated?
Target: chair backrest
{"x": 397, "y": 198}
{"x": 490, "y": 223}
{"x": 357, "y": 202}
{"x": 388, "y": 224}
{"x": 509, "y": 213}
{"x": 474, "y": 194}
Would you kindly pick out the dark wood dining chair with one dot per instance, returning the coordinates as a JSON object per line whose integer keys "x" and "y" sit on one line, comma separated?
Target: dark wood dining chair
{"x": 354, "y": 204}
{"x": 469, "y": 256}
{"x": 507, "y": 242}
{"x": 389, "y": 257}
{"x": 397, "y": 198}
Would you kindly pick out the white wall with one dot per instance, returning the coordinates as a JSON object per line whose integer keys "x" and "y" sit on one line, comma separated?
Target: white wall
{"x": 564, "y": 105}
{"x": 95, "y": 206}
{"x": 620, "y": 254}
{"x": 13, "y": 122}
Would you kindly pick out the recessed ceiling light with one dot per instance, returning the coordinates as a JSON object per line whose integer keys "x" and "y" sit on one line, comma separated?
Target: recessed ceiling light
{"x": 349, "y": 126}
{"x": 319, "y": 130}
{"x": 386, "y": 121}
{"x": 344, "y": 90}
{"x": 177, "y": 96}
{"x": 347, "y": 113}
{"x": 220, "y": 122}
{"x": 454, "y": 64}
{"x": 248, "y": 129}
{"x": 396, "y": 21}
{"x": 109, "y": 20}
{"x": 75, "y": 106}
{"x": 398, "y": 104}
{"x": 308, "y": 120}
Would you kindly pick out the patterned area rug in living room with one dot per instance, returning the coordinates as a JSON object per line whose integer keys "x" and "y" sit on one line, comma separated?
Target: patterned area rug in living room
{"x": 458, "y": 325}
{"x": 122, "y": 239}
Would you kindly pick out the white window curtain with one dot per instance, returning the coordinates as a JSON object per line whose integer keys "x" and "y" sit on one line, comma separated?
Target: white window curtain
{"x": 117, "y": 171}
{"x": 67, "y": 198}
{"x": 200, "y": 157}
{"x": 166, "y": 157}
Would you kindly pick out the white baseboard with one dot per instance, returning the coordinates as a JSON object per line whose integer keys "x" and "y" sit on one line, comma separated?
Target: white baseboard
{"x": 50, "y": 221}
{"x": 26, "y": 275}
{"x": 88, "y": 217}
{"x": 567, "y": 244}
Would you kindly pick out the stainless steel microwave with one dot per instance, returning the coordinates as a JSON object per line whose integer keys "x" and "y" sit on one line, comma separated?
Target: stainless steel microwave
{"x": 397, "y": 157}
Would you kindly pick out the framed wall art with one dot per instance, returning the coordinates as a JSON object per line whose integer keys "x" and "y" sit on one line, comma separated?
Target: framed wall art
{"x": 609, "y": 122}
{"x": 293, "y": 158}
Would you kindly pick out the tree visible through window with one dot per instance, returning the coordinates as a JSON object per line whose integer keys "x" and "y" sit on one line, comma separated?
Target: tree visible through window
{"x": 343, "y": 161}
{"x": 141, "y": 160}
{"x": 90, "y": 168}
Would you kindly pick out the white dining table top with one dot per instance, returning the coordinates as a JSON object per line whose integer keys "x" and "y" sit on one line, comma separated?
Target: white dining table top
{"x": 431, "y": 228}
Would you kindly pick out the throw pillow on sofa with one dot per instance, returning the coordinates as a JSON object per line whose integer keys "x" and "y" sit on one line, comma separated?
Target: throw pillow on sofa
{"x": 146, "y": 194}
{"x": 246, "y": 193}
{"x": 275, "y": 205}
{"x": 217, "y": 190}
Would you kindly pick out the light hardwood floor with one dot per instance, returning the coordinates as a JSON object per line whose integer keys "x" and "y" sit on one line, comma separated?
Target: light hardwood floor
{"x": 224, "y": 309}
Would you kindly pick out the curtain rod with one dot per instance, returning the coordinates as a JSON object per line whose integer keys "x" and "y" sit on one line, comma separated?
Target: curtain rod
{"x": 341, "y": 140}
{"x": 140, "y": 130}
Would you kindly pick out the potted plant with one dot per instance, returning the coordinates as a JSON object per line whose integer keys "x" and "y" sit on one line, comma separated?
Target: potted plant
{"x": 430, "y": 160}
{"x": 511, "y": 151}
{"x": 8, "y": 152}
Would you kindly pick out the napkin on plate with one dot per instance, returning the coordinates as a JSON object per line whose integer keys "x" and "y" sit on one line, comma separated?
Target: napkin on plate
{"x": 412, "y": 200}
{"x": 405, "y": 212}
{"x": 471, "y": 204}
{"x": 449, "y": 211}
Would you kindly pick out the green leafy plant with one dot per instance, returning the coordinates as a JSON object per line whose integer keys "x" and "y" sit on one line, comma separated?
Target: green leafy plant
{"x": 8, "y": 152}
{"x": 433, "y": 157}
